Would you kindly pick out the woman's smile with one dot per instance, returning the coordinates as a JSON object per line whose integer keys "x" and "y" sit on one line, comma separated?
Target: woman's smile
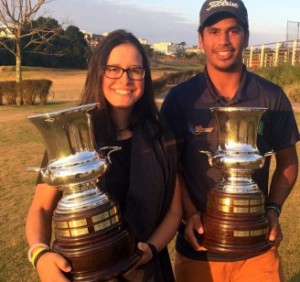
{"x": 123, "y": 92}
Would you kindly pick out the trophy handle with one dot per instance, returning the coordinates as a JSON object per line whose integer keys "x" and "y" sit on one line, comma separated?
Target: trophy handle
{"x": 112, "y": 149}
{"x": 41, "y": 170}
{"x": 34, "y": 169}
{"x": 209, "y": 155}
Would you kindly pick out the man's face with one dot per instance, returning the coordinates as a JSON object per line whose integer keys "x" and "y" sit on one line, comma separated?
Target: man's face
{"x": 223, "y": 43}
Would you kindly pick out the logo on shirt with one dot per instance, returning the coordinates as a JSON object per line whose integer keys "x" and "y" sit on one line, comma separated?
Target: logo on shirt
{"x": 198, "y": 129}
{"x": 260, "y": 129}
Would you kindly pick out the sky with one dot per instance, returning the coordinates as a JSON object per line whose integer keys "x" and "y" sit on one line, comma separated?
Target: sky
{"x": 173, "y": 21}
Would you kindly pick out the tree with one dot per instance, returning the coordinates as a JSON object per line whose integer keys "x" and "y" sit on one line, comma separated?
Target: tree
{"x": 36, "y": 54}
{"x": 76, "y": 50}
{"x": 180, "y": 50}
{"x": 17, "y": 17}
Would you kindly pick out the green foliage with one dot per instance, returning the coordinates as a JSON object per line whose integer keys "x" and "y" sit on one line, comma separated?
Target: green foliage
{"x": 68, "y": 49}
{"x": 6, "y": 58}
{"x": 286, "y": 76}
{"x": 161, "y": 84}
{"x": 282, "y": 75}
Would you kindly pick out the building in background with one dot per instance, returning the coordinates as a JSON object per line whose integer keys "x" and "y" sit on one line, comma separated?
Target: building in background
{"x": 5, "y": 32}
{"x": 168, "y": 48}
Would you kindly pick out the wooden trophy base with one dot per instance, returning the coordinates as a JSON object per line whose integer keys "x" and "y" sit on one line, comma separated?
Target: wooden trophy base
{"x": 96, "y": 242}
{"x": 235, "y": 223}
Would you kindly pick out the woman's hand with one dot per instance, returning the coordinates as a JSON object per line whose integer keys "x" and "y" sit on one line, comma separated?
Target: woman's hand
{"x": 145, "y": 256}
{"x": 51, "y": 267}
{"x": 146, "y": 253}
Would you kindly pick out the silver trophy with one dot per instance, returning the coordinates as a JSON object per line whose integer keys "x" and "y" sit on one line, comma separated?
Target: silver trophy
{"x": 89, "y": 230}
{"x": 234, "y": 220}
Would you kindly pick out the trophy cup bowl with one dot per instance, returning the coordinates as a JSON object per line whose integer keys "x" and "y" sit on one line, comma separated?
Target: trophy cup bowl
{"x": 234, "y": 220}
{"x": 88, "y": 228}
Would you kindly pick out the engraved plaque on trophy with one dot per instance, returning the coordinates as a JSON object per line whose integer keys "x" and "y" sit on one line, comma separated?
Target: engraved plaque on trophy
{"x": 234, "y": 220}
{"x": 88, "y": 227}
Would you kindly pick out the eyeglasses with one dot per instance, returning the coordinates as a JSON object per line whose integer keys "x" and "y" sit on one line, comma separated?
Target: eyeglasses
{"x": 114, "y": 72}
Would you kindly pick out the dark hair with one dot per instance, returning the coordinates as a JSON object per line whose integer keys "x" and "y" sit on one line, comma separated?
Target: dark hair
{"x": 144, "y": 109}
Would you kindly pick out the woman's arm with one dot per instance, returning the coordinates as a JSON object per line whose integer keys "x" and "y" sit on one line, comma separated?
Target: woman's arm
{"x": 39, "y": 218}
{"x": 39, "y": 229}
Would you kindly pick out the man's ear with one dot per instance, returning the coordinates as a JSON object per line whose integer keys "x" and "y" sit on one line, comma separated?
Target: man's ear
{"x": 246, "y": 39}
{"x": 200, "y": 41}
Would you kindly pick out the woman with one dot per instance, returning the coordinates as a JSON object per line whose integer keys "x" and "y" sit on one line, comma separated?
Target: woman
{"x": 142, "y": 174}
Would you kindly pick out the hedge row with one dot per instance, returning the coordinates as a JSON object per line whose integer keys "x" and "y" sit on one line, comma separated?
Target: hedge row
{"x": 161, "y": 84}
{"x": 32, "y": 90}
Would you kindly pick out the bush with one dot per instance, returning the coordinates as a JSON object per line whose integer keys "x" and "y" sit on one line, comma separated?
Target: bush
{"x": 36, "y": 88}
{"x": 282, "y": 75}
{"x": 286, "y": 76}
{"x": 8, "y": 93}
{"x": 31, "y": 89}
{"x": 293, "y": 92}
{"x": 161, "y": 84}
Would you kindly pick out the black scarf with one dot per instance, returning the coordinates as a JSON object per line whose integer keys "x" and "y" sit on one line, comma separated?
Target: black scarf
{"x": 152, "y": 182}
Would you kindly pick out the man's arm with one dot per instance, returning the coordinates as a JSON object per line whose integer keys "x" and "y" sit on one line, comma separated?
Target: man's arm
{"x": 283, "y": 180}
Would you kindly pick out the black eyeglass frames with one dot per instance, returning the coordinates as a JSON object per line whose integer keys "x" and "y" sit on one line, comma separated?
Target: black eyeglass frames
{"x": 115, "y": 72}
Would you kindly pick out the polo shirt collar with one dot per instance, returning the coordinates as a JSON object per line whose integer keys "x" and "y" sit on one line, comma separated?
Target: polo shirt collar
{"x": 247, "y": 90}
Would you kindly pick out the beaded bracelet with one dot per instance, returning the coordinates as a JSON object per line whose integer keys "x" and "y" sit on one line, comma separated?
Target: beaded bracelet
{"x": 274, "y": 206}
{"x": 153, "y": 250}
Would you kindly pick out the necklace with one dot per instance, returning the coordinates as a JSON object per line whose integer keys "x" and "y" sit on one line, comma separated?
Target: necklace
{"x": 123, "y": 129}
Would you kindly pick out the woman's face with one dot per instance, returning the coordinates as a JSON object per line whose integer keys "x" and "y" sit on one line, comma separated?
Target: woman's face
{"x": 123, "y": 92}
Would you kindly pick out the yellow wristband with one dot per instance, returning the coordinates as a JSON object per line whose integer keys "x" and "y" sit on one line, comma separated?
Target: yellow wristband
{"x": 38, "y": 256}
{"x": 36, "y": 252}
{"x": 35, "y": 246}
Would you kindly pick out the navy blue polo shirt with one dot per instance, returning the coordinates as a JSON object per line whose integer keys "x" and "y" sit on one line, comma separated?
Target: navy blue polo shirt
{"x": 187, "y": 110}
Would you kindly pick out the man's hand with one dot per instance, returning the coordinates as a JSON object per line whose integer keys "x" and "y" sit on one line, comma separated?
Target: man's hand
{"x": 193, "y": 229}
{"x": 275, "y": 233}
{"x": 51, "y": 266}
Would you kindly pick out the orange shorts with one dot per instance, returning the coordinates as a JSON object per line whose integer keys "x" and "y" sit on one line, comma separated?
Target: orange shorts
{"x": 262, "y": 268}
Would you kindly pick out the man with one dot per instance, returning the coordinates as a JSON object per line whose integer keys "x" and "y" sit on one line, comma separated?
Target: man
{"x": 223, "y": 33}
